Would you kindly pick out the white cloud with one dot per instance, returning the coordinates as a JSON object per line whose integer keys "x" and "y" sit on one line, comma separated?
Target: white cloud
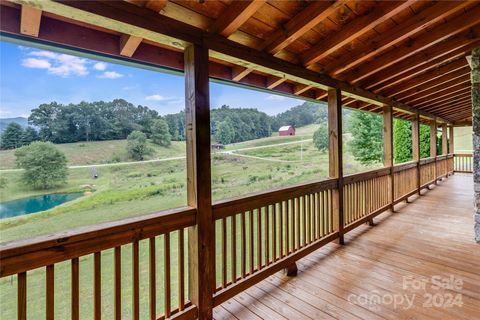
{"x": 110, "y": 75}
{"x": 62, "y": 65}
{"x": 275, "y": 98}
{"x": 157, "y": 97}
{"x": 36, "y": 63}
{"x": 101, "y": 66}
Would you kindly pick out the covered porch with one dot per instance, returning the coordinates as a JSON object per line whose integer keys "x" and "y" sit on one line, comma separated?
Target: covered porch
{"x": 378, "y": 273}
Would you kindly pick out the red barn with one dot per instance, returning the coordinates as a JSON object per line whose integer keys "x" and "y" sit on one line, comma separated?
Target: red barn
{"x": 286, "y": 131}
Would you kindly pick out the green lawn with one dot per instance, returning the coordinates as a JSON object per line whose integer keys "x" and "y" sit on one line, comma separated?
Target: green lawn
{"x": 463, "y": 140}
{"x": 138, "y": 188}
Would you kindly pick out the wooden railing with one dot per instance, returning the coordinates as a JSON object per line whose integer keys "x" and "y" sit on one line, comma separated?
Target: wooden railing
{"x": 266, "y": 232}
{"x": 256, "y": 236}
{"x": 463, "y": 162}
{"x": 93, "y": 254}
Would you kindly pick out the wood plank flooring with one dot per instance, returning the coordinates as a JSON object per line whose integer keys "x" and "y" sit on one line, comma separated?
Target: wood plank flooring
{"x": 404, "y": 256}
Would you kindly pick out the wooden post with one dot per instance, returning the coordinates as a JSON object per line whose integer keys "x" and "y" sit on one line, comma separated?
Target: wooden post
{"x": 202, "y": 235}
{"x": 451, "y": 143}
{"x": 433, "y": 145}
{"x": 416, "y": 146}
{"x": 335, "y": 155}
{"x": 388, "y": 147}
{"x": 444, "y": 140}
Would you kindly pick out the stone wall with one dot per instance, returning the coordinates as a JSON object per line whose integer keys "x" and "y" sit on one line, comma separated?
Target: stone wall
{"x": 475, "y": 77}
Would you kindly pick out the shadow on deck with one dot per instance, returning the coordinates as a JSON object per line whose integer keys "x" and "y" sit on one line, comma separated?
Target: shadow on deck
{"x": 388, "y": 271}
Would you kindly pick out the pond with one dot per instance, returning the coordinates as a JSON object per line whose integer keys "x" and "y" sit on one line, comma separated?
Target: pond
{"x": 29, "y": 205}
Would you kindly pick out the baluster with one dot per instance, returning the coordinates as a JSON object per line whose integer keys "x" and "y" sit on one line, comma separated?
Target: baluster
{"x": 181, "y": 269}
{"x": 152, "y": 279}
{"x": 267, "y": 236}
{"x": 118, "y": 283}
{"x": 251, "y": 242}
{"x": 233, "y": 241}
{"x": 135, "y": 277}
{"x": 75, "y": 289}
{"x": 274, "y": 232}
{"x": 224, "y": 253}
{"x": 97, "y": 257}
{"x": 22, "y": 296}
{"x": 244, "y": 244}
{"x": 50, "y": 292}
{"x": 259, "y": 238}
{"x": 168, "y": 294}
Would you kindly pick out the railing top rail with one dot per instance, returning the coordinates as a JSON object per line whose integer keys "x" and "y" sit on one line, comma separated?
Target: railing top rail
{"x": 228, "y": 207}
{"x": 405, "y": 166}
{"x": 463, "y": 154}
{"x": 352, "y": 178}
{"x": 23, "y": 255}
{"x": 427, "y": 160}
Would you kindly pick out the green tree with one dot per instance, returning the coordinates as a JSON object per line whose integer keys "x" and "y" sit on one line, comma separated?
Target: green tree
{"x": 367, "y": 137}
{"x": 29, "y": 135}
{"x": 320, "y": 137}
{"x": 402, "y": 140}
{"x": 161, "y": 133}
{"x": 11, "y": 138}
{"x": 424, "y": 141}
{"x": 137, "y": 145}
{"x": 45, "y": 166}
{"x": 224, "y": 132}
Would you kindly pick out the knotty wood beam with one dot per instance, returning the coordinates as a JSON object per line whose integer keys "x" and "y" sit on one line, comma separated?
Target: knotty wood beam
{"x": 388, "y": 148}
{"x": 354, "y": 29}
{"x": 391, "y": 58}
{"x": 129, "y": 44}
{"x": 273, "y": 81}
{"x": 444, "y": 139}
{"x": 238, "y": 72}
{"x": 451, "y": 142}
{"x": 30, "y": 21}
{"x": 122, "y": 16}
{"x": 235, "y": 16}
{"x": 201, "y": 236}
{"x": 335, "y": 155}
{"x": 303, "y": 22}
{"x": 395, "y": 35}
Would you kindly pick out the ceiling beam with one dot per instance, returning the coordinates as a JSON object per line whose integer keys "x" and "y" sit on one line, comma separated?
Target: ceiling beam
{"x": 442, "y": 32}
{"x": 273, "y": 82}
{"x": 431, "y": 76}
{"x": 352, "y": 30}
{"x": 303, "y": 22}
{"x": 129, "y": 44}
{"x": 238, "y": 73}
{"x": 385, "y": 40}
{"x": 447, "y": 102}
{"x": 30, "y": 21}
{"x": 444, "y": 97}
{"x": 234, "y": 16}
{"x": 429, "y": 88}
{"x": 122, "y": 17}
{"x": 455, "y": 86}
{"x": 442, "y": 51}
{"x": 301, "y": 88}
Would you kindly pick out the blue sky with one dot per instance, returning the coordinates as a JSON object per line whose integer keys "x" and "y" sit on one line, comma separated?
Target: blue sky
{"x": 30, "y": 77}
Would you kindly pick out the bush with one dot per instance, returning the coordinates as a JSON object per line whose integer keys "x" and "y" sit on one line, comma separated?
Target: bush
{"x": 137, "y": 145}
{"x": 320, "y": 138}
{"x": 45, "y": 166}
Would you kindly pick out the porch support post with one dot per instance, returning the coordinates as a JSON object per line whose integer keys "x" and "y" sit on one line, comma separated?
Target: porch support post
{"x": 388, "y": 147}
{"x": 475, "y": 77}
{"x": 201, "y": 237}
{"x": 335, "y": 155}
{"x": 444, "y": 140}
{"x": 416, "y": 146}
{"x": 451, "y": 142}
{"x": 433, "y": 145}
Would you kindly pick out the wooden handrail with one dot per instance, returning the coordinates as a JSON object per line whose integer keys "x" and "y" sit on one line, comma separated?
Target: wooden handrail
{"x": 427, "y": 160}
{"x": 467, "y": 155}
{"x": 225, "y": 208}
{"x": 405, "y": 166}
{"x": 24, "y": 255}
{"x": 352, "y": 178}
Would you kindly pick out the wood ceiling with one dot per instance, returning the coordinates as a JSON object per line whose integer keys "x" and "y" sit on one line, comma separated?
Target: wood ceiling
{"x": 412, "y": 52}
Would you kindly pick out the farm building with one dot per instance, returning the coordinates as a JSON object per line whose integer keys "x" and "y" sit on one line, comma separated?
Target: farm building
{"x": 286, "y": 131}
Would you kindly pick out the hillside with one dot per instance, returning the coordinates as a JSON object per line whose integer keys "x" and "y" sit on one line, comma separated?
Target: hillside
{"x": 6, "y": 121}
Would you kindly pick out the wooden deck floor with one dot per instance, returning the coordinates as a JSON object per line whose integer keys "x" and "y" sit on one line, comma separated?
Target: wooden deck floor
{"x": 430, "y": 237}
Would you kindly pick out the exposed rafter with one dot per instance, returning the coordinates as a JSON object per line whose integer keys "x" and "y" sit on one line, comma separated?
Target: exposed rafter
{"x": 238, "y": 73}
{"x": 129, "y": 44}
{"x": 234, "y": 16}
{"x": 354, "y": 29}
{"x": 431, "y": 15}
{"x": 308, "y": 18}
{"x": 273, "y": 82}
{"x": 30, "y": 21}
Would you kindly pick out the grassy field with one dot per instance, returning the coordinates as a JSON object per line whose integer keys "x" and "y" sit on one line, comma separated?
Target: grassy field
{"x": 138, "y": 188}
{"x": 463, "y": 139}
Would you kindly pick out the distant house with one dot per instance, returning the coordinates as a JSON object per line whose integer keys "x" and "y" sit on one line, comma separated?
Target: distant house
{"x": 286, "y": 131}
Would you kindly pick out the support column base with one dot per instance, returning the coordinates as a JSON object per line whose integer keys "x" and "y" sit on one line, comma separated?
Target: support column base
{"x": 291, "y": 270}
